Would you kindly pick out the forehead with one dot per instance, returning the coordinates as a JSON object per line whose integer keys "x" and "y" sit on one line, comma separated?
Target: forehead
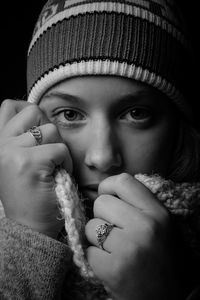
{"x": 103, "y": 85}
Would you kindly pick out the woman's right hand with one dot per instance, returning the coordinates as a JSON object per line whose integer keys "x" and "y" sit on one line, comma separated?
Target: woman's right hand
{"x": 26, "y": 170}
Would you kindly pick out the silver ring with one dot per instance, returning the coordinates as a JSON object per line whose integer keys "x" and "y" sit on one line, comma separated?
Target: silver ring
{"x": 102, "y": 232}
{"x": 36, "y": 133}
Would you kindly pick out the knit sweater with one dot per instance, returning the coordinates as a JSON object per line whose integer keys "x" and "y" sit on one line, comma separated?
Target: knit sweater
{"x": 34, "y": 266}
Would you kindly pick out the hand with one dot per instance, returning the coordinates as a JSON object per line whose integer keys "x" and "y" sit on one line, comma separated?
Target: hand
{"x": 136, "y": 262}
{"x": 26, "y": 170}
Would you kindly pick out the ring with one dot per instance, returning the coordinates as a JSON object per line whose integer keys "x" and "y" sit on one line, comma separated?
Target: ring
{"x": 102, "y": 232}
{"x": 36, "y": 133}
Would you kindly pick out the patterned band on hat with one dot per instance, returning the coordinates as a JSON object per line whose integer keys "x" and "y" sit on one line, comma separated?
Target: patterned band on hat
{"x": 139, "y": 39}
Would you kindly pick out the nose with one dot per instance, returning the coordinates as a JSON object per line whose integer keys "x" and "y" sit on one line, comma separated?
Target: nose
{"x": 103, "y": 151}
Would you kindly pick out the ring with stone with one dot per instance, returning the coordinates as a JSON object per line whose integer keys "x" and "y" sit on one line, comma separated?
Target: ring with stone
{"x": 36, "y": 133}
{"x": 102, "y": 232}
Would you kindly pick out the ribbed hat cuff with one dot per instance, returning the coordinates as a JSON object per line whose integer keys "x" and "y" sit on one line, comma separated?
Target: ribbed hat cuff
{"x": 106, "y": 67}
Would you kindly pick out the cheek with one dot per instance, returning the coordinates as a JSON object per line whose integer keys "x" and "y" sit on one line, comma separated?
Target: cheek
{"x": 149, "y": 151}
{"x": 76, "y": 143}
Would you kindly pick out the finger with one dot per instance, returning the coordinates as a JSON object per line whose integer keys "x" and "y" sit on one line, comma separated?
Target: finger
{"x": 28, "y": 117}
{"x": 9, "y": 108}
{"x": 129, "y": 189}
{"x": 56, "y": 154}
{"x": 49, "y": 134}
{"x": 100, "y": 262}
{"x": 116, "y": 211}
{"x": 113, "y": 240}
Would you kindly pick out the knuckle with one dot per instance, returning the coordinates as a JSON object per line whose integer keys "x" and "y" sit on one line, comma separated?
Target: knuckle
{"x": 88, "y": 227}
{"x": 62, "y": 148}
{"x": 101, "y": 185}
{"x": 99, "y": 203}
{"x": 34, "y": 109}
{"x": 6, "y": 103}
{"x": 22, "y": 161}
{"x": 17, "y": 160}
{"x": 36, "y": 114}
{"x": 96, "y": 205}
{"x": 123, "y": 177}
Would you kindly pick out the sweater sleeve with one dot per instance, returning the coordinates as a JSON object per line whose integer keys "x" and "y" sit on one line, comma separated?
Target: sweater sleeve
{"x": 32, "y": 265}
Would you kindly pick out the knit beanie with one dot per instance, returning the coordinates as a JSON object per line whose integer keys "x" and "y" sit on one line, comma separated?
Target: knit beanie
{"x": 140, "y": 39}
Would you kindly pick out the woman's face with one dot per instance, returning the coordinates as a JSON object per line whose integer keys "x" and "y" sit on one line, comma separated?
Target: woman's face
{"x": 111, "y": 125}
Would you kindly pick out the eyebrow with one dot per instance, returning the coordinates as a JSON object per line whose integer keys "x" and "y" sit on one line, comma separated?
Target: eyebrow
{"x": 123, "y": 99}
{"x": 63, "y": 96}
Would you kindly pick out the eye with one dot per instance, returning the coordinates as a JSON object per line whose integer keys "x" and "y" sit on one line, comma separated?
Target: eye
{"x": 137, "y": 115}
{"x": 69, "y": 117}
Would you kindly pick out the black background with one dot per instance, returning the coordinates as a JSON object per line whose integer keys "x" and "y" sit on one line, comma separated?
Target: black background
{"x": 17, "y": 23}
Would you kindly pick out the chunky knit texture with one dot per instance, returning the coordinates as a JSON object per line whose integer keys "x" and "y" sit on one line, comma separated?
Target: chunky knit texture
{"x": 72, "y": 212}
{"x": 33, "y": 266}
{"x": 139, "y": 39}
{"x": 181, "y": 199}
{"x": 29, "y": 262}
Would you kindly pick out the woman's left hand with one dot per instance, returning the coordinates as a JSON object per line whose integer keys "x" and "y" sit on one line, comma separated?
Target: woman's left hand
{"x": 136, "y": 262}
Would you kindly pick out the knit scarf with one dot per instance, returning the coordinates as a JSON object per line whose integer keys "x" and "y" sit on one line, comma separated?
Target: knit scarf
{"x": 181, "y": 199}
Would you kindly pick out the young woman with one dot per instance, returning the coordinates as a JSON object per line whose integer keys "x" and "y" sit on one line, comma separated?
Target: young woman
{"x": 107, "y": 101}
